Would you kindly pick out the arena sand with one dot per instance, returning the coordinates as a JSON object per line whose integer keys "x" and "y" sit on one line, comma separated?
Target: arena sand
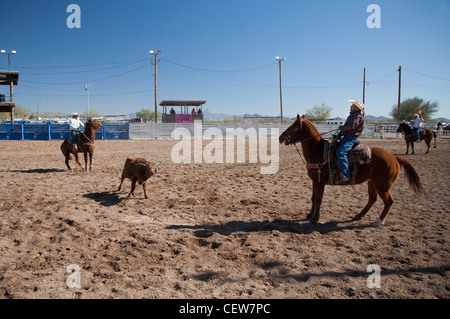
{"x": 214, "y": 230}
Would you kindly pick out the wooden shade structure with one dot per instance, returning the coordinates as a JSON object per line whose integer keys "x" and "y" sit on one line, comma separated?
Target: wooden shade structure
{"x": 10, "y": 78}
{"x": 186, "y": 106}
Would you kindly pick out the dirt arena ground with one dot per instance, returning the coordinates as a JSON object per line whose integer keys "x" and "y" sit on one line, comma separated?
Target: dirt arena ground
{"x": 214, "y": 230}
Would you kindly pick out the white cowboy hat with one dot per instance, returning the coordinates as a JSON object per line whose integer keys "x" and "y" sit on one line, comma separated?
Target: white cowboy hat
{"x": 358, "y": 104}
{"x": 74, "y": 114}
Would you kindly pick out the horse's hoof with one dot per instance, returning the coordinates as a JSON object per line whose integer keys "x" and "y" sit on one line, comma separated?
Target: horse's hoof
{"x": 377, "y": 223}
{"x": 312, "y": 221}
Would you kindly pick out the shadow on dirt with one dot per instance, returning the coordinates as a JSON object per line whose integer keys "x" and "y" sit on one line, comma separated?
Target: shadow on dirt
{"x": 39, "y": 170}
{"x": 104, "y": 198}
{"x": 292, "y": 226}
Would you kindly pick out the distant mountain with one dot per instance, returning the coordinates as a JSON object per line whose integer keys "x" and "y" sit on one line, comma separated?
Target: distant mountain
{"x": 377, "y": 118}
{"x": 442, "y": 119}
{"x": 215, "y": 116}
{"x": 221, "y": 116}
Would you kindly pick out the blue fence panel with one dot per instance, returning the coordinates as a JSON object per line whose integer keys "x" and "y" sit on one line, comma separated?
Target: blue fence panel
{"x": 116, "y": 131}
{"x": 36, "y": 131}
{"x": 22, "y": 130}
{"x": 59, "y": 131}
{"x": 11, "y": 132}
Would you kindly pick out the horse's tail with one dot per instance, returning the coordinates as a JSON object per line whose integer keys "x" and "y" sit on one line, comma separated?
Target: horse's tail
{"x": 411, "y": 175}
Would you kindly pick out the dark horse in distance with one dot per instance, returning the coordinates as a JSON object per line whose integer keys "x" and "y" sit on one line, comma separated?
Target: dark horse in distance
{"x": 380, "y": 173}
{"x": 85, "y": 144}
{"x": 425, "y": 134}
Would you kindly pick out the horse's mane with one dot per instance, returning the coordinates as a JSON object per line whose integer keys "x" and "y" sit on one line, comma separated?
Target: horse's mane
{"x": 89, "y": 130}
{"x": 406, "y": 127}
{"x": 313, "y": 130}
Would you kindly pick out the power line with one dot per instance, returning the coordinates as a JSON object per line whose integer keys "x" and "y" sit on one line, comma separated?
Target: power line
{"x": 95, "y": 80}
{"x": 210, "y": 72}
{"x": 218, "y": 71}
{"x": 324, "y": 86}
{"x": 384, "y": 78}
{"x": 431, "y": 76}
{"x": 83, "y": 95}
{"x": 80, "y": 65}
{"x": 84, "y": 71}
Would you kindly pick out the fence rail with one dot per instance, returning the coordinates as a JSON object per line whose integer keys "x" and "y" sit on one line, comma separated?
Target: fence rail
{"x": 23, "y": 130}
{"x": 164, "y": 130}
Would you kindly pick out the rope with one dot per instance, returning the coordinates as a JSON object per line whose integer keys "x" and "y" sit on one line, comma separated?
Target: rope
{"x": 331, "y": 183}
{"x": 334, "y": 136}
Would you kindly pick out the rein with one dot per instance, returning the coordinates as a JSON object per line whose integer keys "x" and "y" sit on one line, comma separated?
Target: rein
{"x": 93, "y": 144}
{"x": 320, "y": 165}
{"x": 317, "y": 166}
{"x": 307, "y": 139}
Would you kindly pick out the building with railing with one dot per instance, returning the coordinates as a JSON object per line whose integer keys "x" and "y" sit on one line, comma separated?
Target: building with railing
{"x": 187, "y": 111}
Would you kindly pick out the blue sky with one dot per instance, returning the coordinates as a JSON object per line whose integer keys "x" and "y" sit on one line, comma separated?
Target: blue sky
{"x": 224, "y": 52}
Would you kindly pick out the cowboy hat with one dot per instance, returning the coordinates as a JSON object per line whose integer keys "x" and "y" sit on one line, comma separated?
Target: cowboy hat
{"x": 358, "y": 104}
{"x": 74, "y": 114}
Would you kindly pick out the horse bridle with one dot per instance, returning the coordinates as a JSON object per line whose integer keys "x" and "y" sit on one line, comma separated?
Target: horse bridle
{"x": 309, "y": 138}
{"x": 309, "y": 165}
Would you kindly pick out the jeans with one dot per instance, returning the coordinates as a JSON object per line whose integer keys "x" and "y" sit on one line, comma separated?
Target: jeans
{"x": 346, "y": 145}
{"x": 417, "y": 132}
{"x": 74, "y": 137}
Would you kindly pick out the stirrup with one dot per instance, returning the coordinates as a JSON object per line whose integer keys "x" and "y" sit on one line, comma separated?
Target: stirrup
{"x": 343, "y": 179}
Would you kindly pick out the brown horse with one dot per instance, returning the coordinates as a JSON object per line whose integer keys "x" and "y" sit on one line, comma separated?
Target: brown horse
{"x": 409, "y": 136}
{"x": 425, "y": 134}
{"x": 85, "y": 144}
{"x": 381, "y": 173}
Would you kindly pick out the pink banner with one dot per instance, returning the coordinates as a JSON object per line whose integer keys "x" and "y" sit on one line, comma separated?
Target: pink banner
{"x": 183, "y": 118}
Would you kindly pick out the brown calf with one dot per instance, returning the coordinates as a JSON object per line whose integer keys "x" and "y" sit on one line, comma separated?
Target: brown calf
{"x": 137, "y": 170}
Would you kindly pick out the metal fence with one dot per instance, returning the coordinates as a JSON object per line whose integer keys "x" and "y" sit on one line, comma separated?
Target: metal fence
{"x": 25, "y": 130}
{"x": 48, "y": 130}
{"x": 164, "y": 130}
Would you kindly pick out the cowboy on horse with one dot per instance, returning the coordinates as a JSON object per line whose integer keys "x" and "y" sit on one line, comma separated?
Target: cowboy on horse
{"x": 417, "y": 126}
{"x": 351, "y": 130}
{"x": 75, "y": 127}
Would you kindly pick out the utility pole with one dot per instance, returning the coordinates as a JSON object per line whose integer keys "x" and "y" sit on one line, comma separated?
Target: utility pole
{"x": 156, "y": 69}
{"x": 281, "y": 94}
{"x": 88, "y": 88}
{"x": 399, "y": 89}
{"x": 364, "y": 86}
